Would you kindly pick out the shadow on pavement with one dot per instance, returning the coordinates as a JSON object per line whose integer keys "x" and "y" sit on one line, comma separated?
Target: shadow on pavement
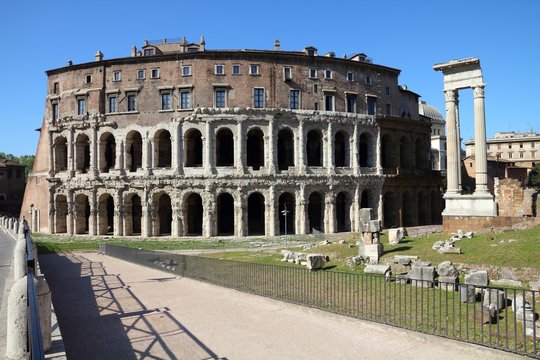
{"x": 101, "y": 318}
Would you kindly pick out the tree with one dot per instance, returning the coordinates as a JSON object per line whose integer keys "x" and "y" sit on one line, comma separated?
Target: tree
{"x": 26, "y": 160}
{"x": 534, "y": 176}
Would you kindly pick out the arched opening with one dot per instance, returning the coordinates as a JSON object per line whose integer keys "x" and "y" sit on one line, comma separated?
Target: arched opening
{"x": 388, "y": 152}
{"x": 435, "y": 208}
{"x": 106, "y": 215}
{"x": 163, "y": 151}
{"x": 194, "y": 215}
{"x": 133, "y": 151}
{"x": 407, "y": 209}
{"x": 285, "y": 149}
{"x": 255, "y": 148}
{"x": 256, "y": 216}
{"x": 341, "y": 149}
{"x": 316, "y": 213}
{"x": 405, "y": 153}
{"x": 423, "y": 211}
{"x": 343, "y": 212}
{"x": 164, "y": 215}
{"x": 224, "y": 147}
{"x": 107, "y": 151}
{"x": 82, "y": 153}
{"x": 364, "y": 199}
{"x": 60, "y": 154}
{"x": 225, "y": 214}
{"x": 364, "y": 153}
{"x": 390, "y": 210}
{"x": 82, "y": 214}
{"x": 132, "y": 215}
{"x": 193, "y": 148}
{"x": 314, "y": 152}
{"x": 421, "y": 155}
{"x": 286, "y": 221}
{"x": 61, "y": 211}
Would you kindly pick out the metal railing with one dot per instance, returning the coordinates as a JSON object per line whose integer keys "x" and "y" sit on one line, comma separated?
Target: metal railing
{"x": 35, "y": 340}
{"x": 455, "y": 311}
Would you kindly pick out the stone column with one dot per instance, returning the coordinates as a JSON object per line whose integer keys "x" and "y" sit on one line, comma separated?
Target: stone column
{"x": 208, "y": 148}
{"x": 94, "y": 154}
{"x": 378, "y": 150}
{"x": 51, "y": 155}
{"x": 147, "y": 156}
{"x": 271, "y": 140}
{"x": 92, "y": 222}
{"x": 120, "y": 166}
{"x": 70, "y": 154}
{"x": 380, "y": 210}
{"x": 176, "y": 230}
{"x": 458, "y": 141}
{"x": 146, "y": 216}
{"x": 240, "y": 216}
{"x": 208, "y": 217}
{"x": 119, "y": 213}
{"x": 356, "y": 207}
{"x": 480, "y": 140}
{"x": 301, "y": 223}
{"x": 353, "y": 146}
{"x": 52, "y": 212}
{"x": 178, "y": 151}
{"x": 240, "y": 162}
{"x": 300, "y": 160}
{"x": 70, "y": 211}
{"x": 330, "y": 212}
{"x": 451, "y": 146}
{"x": 271, "y": 212}
{"x": 330, "y": 149}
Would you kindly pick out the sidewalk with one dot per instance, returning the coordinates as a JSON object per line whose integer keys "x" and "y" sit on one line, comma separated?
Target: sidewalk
{"x": 111, "y": 309}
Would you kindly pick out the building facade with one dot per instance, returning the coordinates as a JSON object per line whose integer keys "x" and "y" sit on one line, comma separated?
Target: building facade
{"x": 184, "y": 141}
{"x": 12, "y": 185}
{"x": 438, "y": 135}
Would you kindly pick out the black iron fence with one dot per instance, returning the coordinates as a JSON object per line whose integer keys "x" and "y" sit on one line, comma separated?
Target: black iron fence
{"x": 504, "y": 319}
{"x": 35, "y": 339}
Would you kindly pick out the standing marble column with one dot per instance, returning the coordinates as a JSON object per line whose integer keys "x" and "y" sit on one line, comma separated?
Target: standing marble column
{"x": 70, "y": 211}
{"x": 208, "y": 148}
{"x": 92, "y": 223}
{"x": 301, "y": 150}
{"x": 51, "y": 154}
{"x": 458, "y": 141}
{"x": 330, "y": 210}
{"x": 270, "y": 140}
{"x": 301, "y": 223}
{"x": 178, "y": 150}
{"x": 378, "y": 151}
{"x": 451, "y": 136}
{"x": 480, "y": 140}
{"x": 271, "y": 212}
{"x": 240, "y": 148}
{"x": 94, "y": 170}
{"x": 70, "y": 154}
{"x": 330, "y": 150}
{"x": 147, "y": 156}
{"x": 353, "y": 145}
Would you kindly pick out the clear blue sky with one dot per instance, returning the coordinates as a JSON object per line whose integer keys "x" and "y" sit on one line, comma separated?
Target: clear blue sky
{"x": 409, "y": 35}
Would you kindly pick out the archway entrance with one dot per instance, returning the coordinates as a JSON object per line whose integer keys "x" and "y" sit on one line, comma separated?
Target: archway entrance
{"x": 194, "y": 214}
{"x": 164, "y": 215}
{"x": 61, "y": 210}
{"x": 314, "y": 151}
{"x": 343, "y": 211}
{"x": 133, "y": 151}
{"x": 315, "y": 213}
{"x": 225, "y": 214}
{"x": 163, "y": 149}
{"x": 256, "y": 216}
{"x": 133, "y": 215}
{"x": 286, "y": 201}
{"x": 255, "y": 148}
{"x": 285, "y": 149}
{"x": 193, "y": 148}
{"x": 106, "y": 215}
{"x": 224, "y": 148}
{"x": 82, "y": 214}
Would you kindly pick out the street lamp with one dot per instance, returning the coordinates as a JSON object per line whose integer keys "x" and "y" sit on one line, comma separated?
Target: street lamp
{"x": 285, "y": 212}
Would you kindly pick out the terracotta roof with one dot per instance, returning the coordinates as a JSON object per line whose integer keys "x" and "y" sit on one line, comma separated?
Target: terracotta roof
{"x": 6, "y": 163}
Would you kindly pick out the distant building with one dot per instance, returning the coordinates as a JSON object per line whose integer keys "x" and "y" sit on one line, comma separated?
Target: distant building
{"x": 521, "y": 149}
{"x": 438, "y": 136}
{"x": 496, "y": 168}
{"x": 12, "y": 186}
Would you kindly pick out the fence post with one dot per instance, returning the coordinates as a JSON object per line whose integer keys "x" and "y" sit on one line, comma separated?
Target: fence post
{"x": 19, "y": 260}
{"x": 17, "y": 321}
{"x": 43, "y": 295}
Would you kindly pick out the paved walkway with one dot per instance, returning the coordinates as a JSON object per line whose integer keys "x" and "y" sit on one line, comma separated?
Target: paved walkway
{"x": 111, "y": 309}
{"x": 7, "y": 244}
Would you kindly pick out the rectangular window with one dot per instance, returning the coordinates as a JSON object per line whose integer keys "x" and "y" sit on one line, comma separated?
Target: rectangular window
{"x": 328, "y": 74}
{"x": 154, "y": 73}
{"x": 236, "y": 69}
{"x": 166, "y": 100}
{"x": 253, "y": 69}
{"x": 148, "y": 52}
{"x": 387, "y": 90}
{"x": 186, "y": 70}
{"x": 56, "y": 88}
{"x": 316, "y": 106}
{"x": 117, "y": 76}
{"x": 367, "y": 80}
{"x": 185, "y": 100}
{"x": 315, "y": 88}
{"x": 509, "y": 155}
{"x": 131, "y": 102}
{"x": 81, "y": 106}
{"x": 521, "y": 155}
{"x": 329, "y": 102}
{"x": 351, "y": 103}
{"x": 389, "y": 111}
{"x": 258, "y": 98}
{"x": 113, "y": 104}
{"x": 220, "y": 98}
{"x": 350, "y": 76}
{"x": 54, "y": 111}
{"x": 294, "y": 99}
{"x": 287, "y": 73}
{"x": 219, "y": 69}
{"x": 371, "y": 102}
{"x": 141, "y": 74}
{"x": 313, "y": 73}
{"x": 88, "y": 79}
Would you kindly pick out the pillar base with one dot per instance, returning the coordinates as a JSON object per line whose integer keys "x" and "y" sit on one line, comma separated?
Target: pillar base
{"x": 478, "y": 204}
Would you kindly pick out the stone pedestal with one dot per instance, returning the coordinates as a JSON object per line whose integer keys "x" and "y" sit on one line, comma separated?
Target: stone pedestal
{"x": 469, "y": 205}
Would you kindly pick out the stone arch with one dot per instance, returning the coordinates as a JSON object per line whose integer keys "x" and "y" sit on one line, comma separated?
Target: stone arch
{"x": 390, "y": 210}
{"x": 365, "y": 153}
{"x": 407, "y": 209}
{"x": 406, "y": 155}
{"x": 389, "y": 158}
{"x": 255, "y": 148}
{"x": 193, "y": 145}
{"x": 163, "y": 149}
{"x": 365, "y": 199}
{"x": 193, "y": 210}
{"x": 82, "y": 214}
{"x": 287, "y": 202}
{"x": 132, "y": 214}
{"x": 60, "y": 154}
{"x": 314, "y": 148}
{"x": 435, "y": 207}
{"x": 285, "y": 149}
{"x": 256, "y": 214}
{"x": 421, "y": 155}
{"x": 343, "y": 212}
{"x": 107, "y": 152}
{"x": 341, "y": 149}
{"x": 133, "y": 151}
{"x": 82, "y": 153}
{"x": 105, "y": 214}
{"x": 163, "y": 214}
{"x": 316, "y": 213}
{"x": 225, "y": 214}
{"x": 423, "y": 209}
{"x": 224, "y": 147}
{"x": 61, "y": 211}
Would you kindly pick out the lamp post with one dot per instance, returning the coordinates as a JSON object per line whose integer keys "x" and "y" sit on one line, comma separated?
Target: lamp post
{"x": 285, "y": 212}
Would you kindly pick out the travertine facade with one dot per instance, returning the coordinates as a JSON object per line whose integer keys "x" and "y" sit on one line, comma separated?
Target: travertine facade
{"x": 185, "y": 141}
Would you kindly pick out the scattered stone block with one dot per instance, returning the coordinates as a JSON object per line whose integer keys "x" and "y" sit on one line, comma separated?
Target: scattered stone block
{"x": 477, "y": 278}
{"x": 446, "y": 268}
{"x": 422, "y": 275}
{"x": 371, "y": 252}
{"x": 448, "y": 282}
{"x": 376, "y": 269}
{"x": 399, "y": 269}
{"x": 467, "y": 294}
{"x": 404, "y": 259}
{"x": 315, "y": 261}
{"x": 486, "y": 315}
{"x": 437, "y": 245}
{"x": 449, "y": 250}
{"x": 422, "y": 263}
{"x": 365, "y": 215}
{"x": 395, "y": 235}
{"x": 507, "y": 282}
{"x": 341, "y": 242}
{"x": 535, "y": 285}
{"x": 402, "y": 279}
{"x": 494, "y": 298}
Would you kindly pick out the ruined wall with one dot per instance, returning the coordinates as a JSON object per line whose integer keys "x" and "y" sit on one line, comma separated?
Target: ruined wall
{"x": 513, "y": 199}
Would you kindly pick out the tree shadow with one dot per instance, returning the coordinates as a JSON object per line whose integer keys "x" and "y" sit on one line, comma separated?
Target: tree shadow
{"x": 400, "y": 248}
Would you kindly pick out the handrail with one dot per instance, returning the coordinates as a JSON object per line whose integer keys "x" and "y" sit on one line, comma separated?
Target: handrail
{"x": 35, "y": 339}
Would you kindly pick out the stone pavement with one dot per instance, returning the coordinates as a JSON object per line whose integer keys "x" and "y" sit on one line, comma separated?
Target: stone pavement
{"x": 111, "y": 309}
{"x": 7, "y": 244}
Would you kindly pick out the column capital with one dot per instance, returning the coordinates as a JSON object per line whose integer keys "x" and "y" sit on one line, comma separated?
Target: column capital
{"x": 478, "y": 91}
{"x": 450, "y": 95}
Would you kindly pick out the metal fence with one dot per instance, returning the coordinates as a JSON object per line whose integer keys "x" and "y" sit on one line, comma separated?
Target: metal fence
{"x": 35, "y": 339}
{"x": 504, "y": 319}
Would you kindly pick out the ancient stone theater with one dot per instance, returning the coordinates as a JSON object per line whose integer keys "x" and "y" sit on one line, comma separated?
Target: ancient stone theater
{"x": 183, "y": 141}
